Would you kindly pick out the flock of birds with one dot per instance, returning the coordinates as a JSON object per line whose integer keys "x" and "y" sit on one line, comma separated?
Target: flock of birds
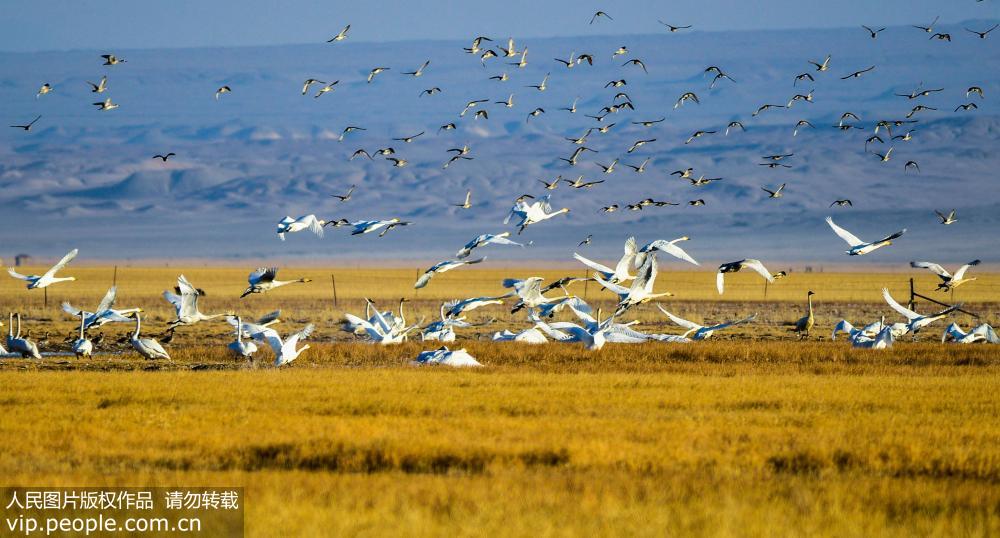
{"x": 631, "y": 279}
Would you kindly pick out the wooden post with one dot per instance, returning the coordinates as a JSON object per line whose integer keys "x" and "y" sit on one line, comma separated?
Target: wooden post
{"x": 46, "y": 290}
{"x": 912, "y": 294}
{"x": 114, "y": 278}
{"x": 586, "y": 286}
{"x": 415, "y": 290}
{"x": 333, "y": 282}
{"x": 765, "y": 288}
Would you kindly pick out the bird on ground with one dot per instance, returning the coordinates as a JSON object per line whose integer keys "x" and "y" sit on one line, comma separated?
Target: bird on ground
{"x": 349, "y": 129}
{"x": 857, "y": 74}
{"x": 805, "y": 323}
{"x": 702, "y": 332}
{"x": 106, "y": 105}
{"x": 946, "y": 219}
{"x": 442, "y": 267}
{"x": 775, "y": 193}
{"x": 111, "y": 59}
{"x": 147, "y": 347}
{"x": 376, "y": 71}
{"x": 340, "y": 36}
{"x": 948, "y": 281}
{"x": 222, "y": 90}
{"x": 16, "y": 344}
{"x": 264, "y": 279}
{"x": 858, "y": 246}
{"x": 734, "y": 267}
{"x": 49, "y": 277}
{"x": 104, "y": 313}
{"x": 915, "y": 321}
{"x": 981, "y": 333}
{"x": 185, "y": 303}
{"x": 306, "y": 222}
{"x": 620, "y": 273}
{"x": 83, "y": 347}
{"x": 369, "y": 226}
{"x": 242, "y": 349}
{"x": 483, "y": 240}
{"x": 873, "y": 33}
{"x": 419, "y": 71}
{"x": 100, "y": 87}
{"x": 285, "y": 350}
{"x": 533, "y": 213}
{"x": 28, "y": 126}
{"x": 458, "y": 358}
{"x": 982, "y": 35}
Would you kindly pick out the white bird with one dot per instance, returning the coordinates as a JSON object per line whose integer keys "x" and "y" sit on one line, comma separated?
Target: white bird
{"x": 529, "y": 291}
{"x": 83, "y": 347}
{"x": 247, "y": 328}
{"x": 264, "y": 279}
{"x": 593, "y": 337}
{"x": 641, "y": 290}
{"x": 884, "y": 339}
{"x": 457, "y": 359}
{"x": 49, "y": 278}
{"x": 620, "y": 333}
{"x": 381, "y": 329}
{"x": 369, "y": 226}
{"x": 106, "y": 105}
{"x": 528, "y": 336}
{"x": 306, "y": 222}
{"x": 186, "y": 304}
{"x": 442, "y": 267}
{"x": 340, "y": 36}
{"x": 100, "y": 87}
{"x": 147, "y": 347}
{"x": 16, "y": 344}
{"x": 444, "y": 329}
{"x": 915, "y": 321}
{"x": 982, "y": 333}
{"x": 621, "y": 271}
{"x": 532, "y": 213}
{"x": 222, "y": 90}
{"x": 858, "y": 246}
{"x": 949, "y": 281}
{"x": 241, "y": 349}
{"x": 669, "y": 247}
{"x": 733, "y": 267}
{"x": 287, "y": 350}
{"x": 702, "y": 332}
{"x": 458, "y": 307}
{"x": 486, "y": 239}
{"x": 105, "y": 312}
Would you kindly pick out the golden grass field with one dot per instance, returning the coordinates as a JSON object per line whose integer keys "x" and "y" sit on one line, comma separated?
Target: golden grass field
{"x": 753, "y": 434}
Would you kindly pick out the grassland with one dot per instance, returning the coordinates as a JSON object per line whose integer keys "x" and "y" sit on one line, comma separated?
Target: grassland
{"x": 736, "y": 437}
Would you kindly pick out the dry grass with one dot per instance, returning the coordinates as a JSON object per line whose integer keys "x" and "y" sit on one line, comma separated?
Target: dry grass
{"x": 734, "y": 437}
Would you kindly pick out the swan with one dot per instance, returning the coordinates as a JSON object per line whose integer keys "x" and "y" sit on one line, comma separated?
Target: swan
{"x": 884, "y": 339}
{"x": 186, "y": 304}
{"x": 264, "y": 279}
{"x": 83, "y": 347}
{"x": 620, "y": 333}
{"x": 486, "y": 239}
{"x": 369, "y": 226}
{"x": 946, "y": 219}
{"x": 376, "y": 71}
{"x": 147, "y": 347}
{"x": 105, "y": 312}
{"x": 241, "y": 349}
{"x": 641, "y": 290}
{"x": 222, "y": 90}
{"x": 22, "y": 346}
{"x": 458, "y": 307}
{"x": 702, "y": 332}
{"x": 533, "y": 213}
{"x": 381, "y": 329}
{"x": 287, "y": 350}
{"x": 805, "y": 323}
{"x": 662, "y": 245}
{"x": 593, "y": 337}
{"x": 444, "y": 330}
{"x": 733, "y": 267}
{"x": 248, "y": 328}
{"x": 49, "y": 278}
{"x": 621, "y": 271}
{"x": 527, "y": 336}
{"x": 915, "y": 321}
{"x": 289, "y": 225}
{"x": 442, "y": 267}
{"x": 456, "y": 359}
{"x": 858, "y": 246}
{"x": 982, "y": 333}
{"x": 340, "y": 36}
{"x": 949, "y": 281}
{"x": 528, "y": 290}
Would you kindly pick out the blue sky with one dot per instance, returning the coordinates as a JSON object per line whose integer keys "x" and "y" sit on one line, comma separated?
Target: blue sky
{"x": 31, "y": 25}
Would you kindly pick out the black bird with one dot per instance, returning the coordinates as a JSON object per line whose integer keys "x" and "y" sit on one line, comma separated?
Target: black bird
{"x": 345, "y": 197}
{"x": 982, "y": 35}
{"x": 164, "y": 157}
{"x": 857, "y": 74}
{"x": 28, "y": 126}
{"x": 842, "y": 203}
{"x": 874, "y": 33}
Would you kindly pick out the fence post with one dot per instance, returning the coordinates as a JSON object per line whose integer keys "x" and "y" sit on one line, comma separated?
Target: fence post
{"x": 912, "y": 294}
{"x": 333, "y": 282}
{"x": 114, "y": 277}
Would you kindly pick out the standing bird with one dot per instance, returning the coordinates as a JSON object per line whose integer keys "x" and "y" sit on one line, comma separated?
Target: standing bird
{"x": 948, "y": 281}
{"x": 49, "y": 278}
{"x": 805, "y": 323}
{"x": 858, "y": 246}
{"x": 147, "y": 347}
{"x": 734, "y": 267}
{"x": 241, "y": 349}
{"x": 83, "y": 347}
{"x": 264, "y": 279}
{"x": 22, "y": 346}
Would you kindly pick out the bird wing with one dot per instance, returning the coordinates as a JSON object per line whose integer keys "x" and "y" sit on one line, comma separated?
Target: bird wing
{"x": 680, "y": 321}
{"x": 15, "y": 274}
{"x": 673, "y": 250}
{"x": 68, "y": 308}
{"x": 271, "y": 337}
{"x": 315, "y": 226}
{"x": 603, "y": 269}
{"x": 756, "y": 265}
{"x": 502, "y": 240}
{"x": 933, "y": 267}
{"x": 906, "y": 312}
{"x": 847, "y": 236}
{"x": 614, "y": 288}
{"x": 732, "y": 323}
{"x": 961, "y": 270}
{"x": 62, "y": 263}
{"x": 108, "y": 301}
{"x": 424, "y": 279}
{"x": 292, "y": 341}
{"x": 893, "y": 236}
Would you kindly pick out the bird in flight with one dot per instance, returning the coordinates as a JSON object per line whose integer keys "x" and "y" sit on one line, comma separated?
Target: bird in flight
{"x": 982, "y": 35}
{"x": 468, "y": 200}
{"x": 222, "y": 90}
{"x": 857, "y": 74}
{"x": 775, "y": 193}
{"x": 111, "y": 59}
{"x": 842, "y": 203}
{"x": 598, "y": 15}
{"x": 106, "y": 105}
{"x": 309, "y": 82}
{"x": 99, "y": 87}
{"x": 873, "y": 33}
{"x": 373, "y": 72}
{"x": 673, "y": 28}
{"x": 345, "y": 197}
{"x": 408, "y": 139}
{"x": 164, "y": 157}
{"x": 824, "y": 66}
{"x": 28, "y": 126}
{"x": 930, "y": 27}
{"x": 420, "y": 71}
{"x": 946, "y": 219}
{"x": 341, "y": 36}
